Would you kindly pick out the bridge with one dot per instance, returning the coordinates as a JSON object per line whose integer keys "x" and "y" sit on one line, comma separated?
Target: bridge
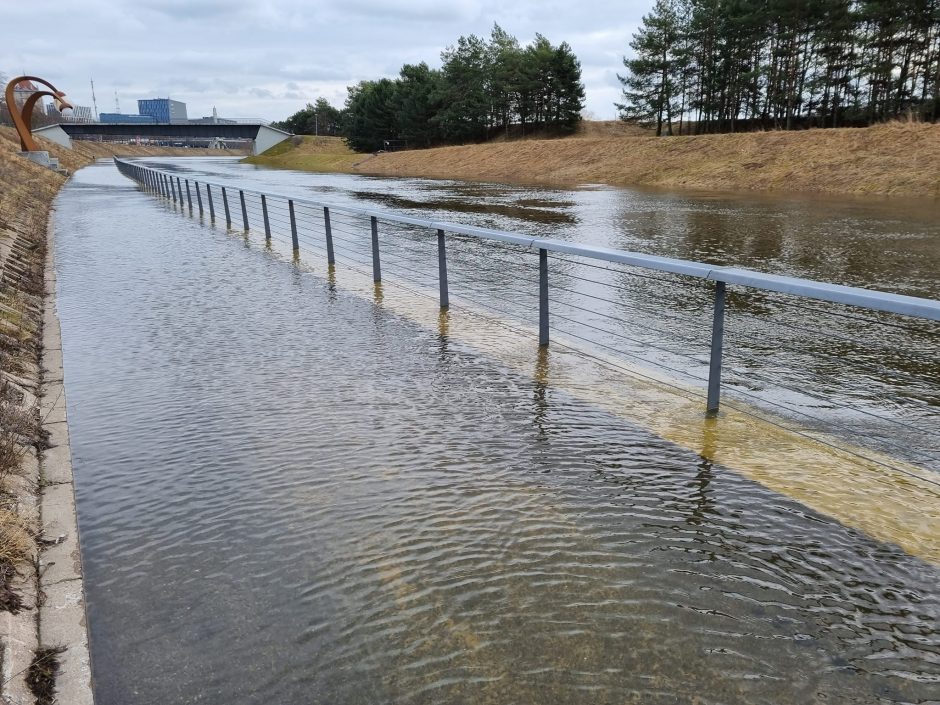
{"x": 262, "y": 137}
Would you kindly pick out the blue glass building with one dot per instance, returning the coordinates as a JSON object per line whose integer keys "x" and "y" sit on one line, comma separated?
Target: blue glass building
{"x": 163, "y": 110}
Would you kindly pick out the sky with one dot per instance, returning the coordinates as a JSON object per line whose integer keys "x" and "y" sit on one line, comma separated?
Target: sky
{"x": 268, "y": 58}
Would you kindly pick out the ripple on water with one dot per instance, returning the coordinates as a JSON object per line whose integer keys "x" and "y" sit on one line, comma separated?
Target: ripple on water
{"x": 288, "y": 495}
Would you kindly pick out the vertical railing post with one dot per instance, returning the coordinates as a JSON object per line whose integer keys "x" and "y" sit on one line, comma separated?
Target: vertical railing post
{"x": 228, "y": 213}
{"x": 189, "y": 197}
{"x": 442, "y": 269}
{"x": 166, "y": 187}
{"x": 330, "y": 257}
{"x": 172, "y": 189}
{"x": 211, "y": 204}
{"x": 295, "y": 243}
{"x": 241, "y": 196}
{"x": 718, "y": 332}
{"x": 162, "y": 187}
{"x": 198, "y": 197}
{"x": 267, "y": 223}
{"x": 543, "y": 296}
{"x": 179, "y": 188}
{"x": 376, "y": 264}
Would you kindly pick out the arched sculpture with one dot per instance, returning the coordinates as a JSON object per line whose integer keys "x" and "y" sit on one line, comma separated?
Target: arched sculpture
{"x": 23, "y": 120}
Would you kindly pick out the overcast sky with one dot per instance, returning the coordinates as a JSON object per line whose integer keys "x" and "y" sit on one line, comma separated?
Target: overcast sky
{"x": 267, "y": 58}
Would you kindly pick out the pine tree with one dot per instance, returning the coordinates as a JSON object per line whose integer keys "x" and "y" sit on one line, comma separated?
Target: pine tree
{"x": 650, "y": 85}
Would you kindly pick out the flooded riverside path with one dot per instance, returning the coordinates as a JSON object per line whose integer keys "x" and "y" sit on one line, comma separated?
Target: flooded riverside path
{"x": 288, "y": 493}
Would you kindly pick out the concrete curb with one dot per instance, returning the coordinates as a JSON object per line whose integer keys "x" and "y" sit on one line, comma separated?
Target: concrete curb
{"x": 62, "y": 619}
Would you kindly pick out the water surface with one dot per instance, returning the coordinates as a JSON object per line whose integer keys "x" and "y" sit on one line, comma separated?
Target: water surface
{"x": 289, "y": 494}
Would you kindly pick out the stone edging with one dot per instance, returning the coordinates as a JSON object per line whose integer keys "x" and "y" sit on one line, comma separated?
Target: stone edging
{"x": 62, "y": 619}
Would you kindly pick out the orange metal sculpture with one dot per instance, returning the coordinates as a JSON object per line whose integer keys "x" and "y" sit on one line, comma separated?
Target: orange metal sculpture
{"x": 23, "y": 120}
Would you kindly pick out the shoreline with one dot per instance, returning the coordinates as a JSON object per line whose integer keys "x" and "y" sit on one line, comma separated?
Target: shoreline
{"x": 895, "y": 160}
{"x": 44, "y": 642}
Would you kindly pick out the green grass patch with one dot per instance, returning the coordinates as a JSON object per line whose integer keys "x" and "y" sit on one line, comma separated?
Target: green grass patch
{"x": 325, "y": 154}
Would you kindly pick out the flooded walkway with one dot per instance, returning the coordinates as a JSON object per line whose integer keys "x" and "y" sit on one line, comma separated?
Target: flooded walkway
{"x": 289, "y": 492}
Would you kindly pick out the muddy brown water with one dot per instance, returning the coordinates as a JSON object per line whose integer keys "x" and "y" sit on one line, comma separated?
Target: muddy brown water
{"x": 289, "y": 494}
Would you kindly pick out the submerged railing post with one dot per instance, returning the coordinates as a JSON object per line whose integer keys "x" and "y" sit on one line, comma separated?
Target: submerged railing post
{"x": 442, "y": 269}
{"x": 241, "y": 196}
{"x": 293, "y": 227}
{"x": 267, "y": 223}
{"x": 189, "y": 197}
{"x": 543, "y": 296}
{"x": 228, "y": 213}
{"x": 718, "y": 332}
{"x": 198, "y": 197}
{"x": 376, "y": 264}
{"x": 211, "y": 204}
{"x": 330, "y": 258}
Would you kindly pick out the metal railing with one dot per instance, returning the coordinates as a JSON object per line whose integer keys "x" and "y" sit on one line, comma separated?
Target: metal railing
{"x": 582, "y": 302}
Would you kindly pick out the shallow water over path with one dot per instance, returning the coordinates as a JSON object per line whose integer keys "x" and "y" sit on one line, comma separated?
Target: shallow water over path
{"x": 289, "y": 494}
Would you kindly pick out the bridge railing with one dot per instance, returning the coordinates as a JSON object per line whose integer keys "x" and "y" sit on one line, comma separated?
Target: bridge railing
{"x": 618, "y": 300}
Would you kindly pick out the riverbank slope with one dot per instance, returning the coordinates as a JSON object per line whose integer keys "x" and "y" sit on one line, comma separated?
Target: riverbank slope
{"x": 899, "y": 159}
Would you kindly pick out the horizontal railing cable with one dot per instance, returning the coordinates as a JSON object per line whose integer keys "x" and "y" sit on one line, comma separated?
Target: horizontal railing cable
{"x": 616, "y": 308}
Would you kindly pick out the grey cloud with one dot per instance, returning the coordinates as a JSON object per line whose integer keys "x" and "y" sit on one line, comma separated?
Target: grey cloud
{"x": 268, "y": 58}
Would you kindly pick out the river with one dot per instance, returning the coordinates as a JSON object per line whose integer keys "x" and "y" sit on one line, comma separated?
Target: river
{"x": 288, "y": 492}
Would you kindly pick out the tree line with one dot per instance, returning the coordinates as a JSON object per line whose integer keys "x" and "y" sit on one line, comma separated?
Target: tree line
{"x": 729, "y": 65}
{"x": 483, "y": 88}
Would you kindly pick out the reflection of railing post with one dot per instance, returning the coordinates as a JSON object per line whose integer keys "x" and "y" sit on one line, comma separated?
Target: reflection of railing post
{"x": 228, "y": 213}
{"x": 211, "y": 204}
{"x": 189, "y": 197}
{"x": 543, "y": 296}
{"x": 442, "y": 269}
{"x": 330, "y": 257}
{"x": 376, "y": 264}
{"x": 293, "y": 227}
{"x": 264, "y": 214}
{"x": 241, "y": 196}
{"x": 198, "y": 197}
{"x": 718, "y": 332}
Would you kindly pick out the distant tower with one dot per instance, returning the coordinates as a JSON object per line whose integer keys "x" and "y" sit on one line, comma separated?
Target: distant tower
{"x": 94, "y": 101}
{"x": 117, "y": 106}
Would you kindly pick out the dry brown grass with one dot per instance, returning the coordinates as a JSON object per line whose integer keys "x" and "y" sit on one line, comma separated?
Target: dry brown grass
{"x": 898, "y": 159}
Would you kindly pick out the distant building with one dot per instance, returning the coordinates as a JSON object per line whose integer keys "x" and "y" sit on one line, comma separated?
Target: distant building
{"x": 22, "y": 91}
{"x": 126, "y": 119}
{"x": 213, "y": 119}
{"x": 80, "y": 113}
{"x": 163, "y": 110}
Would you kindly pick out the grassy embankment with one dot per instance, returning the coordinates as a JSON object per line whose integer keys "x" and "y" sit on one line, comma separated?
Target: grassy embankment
{"x": 893, "y": 159}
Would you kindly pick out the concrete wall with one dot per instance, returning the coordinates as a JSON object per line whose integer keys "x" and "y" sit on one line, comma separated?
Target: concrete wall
{"x": 267, "y": 138}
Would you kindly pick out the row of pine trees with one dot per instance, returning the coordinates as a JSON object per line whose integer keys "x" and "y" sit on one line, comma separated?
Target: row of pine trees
{"x": 728, "y": 65}
{"x": 484, "y": 88}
